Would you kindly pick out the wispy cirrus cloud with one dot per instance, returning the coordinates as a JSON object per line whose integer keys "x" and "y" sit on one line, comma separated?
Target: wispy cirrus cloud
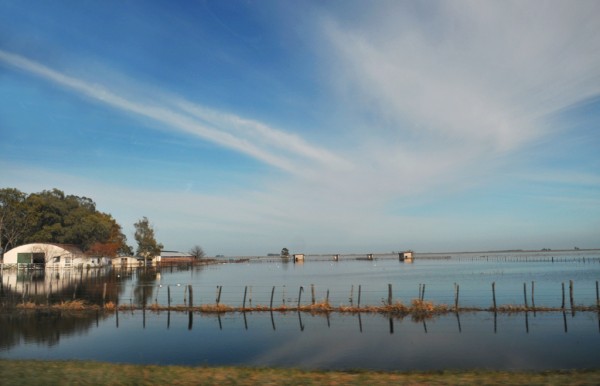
{"x": 252, "y": 138}
{"x": 477, "y": 76}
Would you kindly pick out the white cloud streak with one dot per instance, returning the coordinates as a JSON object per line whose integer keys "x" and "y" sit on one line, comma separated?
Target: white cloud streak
{"x": 183, "y": 121}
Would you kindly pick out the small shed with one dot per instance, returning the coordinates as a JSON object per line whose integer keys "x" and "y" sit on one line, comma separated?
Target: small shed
{"x": 298, "y": 257}
{"x": 405, "y": 256}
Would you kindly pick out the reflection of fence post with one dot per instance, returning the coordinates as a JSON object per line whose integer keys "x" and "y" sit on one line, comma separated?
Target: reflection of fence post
{"x": 494, "y": 294}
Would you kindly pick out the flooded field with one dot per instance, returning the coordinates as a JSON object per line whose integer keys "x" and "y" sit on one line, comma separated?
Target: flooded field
{"x": 533, "y": 340}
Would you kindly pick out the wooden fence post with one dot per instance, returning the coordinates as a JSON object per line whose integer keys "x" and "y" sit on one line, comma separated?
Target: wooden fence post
{"x": 272, "y": 293}
{"x": 104, "y": 295}
{"x": 245, "y": 292}
{"x": 389, "y": 294}
{"x": 563, "y": 296}
{"x": 525, "y": 294}
{"x": 312, "y": 291}
{"x": 169, "y": 296}
{"x": 494, "y": 294}
{"x": 191, "y": 293}
{"x": 299, "y": 296}
{"x": 532, "y": 295}
{"x": 597, "y": 296}
{"x": 219, "y": 295}
{"x": 571, "y": 293}
{"x": 359, "y": 288}
{"x": 456, "y": 289}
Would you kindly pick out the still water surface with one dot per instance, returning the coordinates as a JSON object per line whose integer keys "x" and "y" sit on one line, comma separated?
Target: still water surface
{"x": 532, "y": 341}
{"x": 474, "y": 340}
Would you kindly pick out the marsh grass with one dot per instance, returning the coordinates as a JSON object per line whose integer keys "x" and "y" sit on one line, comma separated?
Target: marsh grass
{"x": 418, "y": 309}
{"x": 72, "y": 305}
{"x": 27, "y": 372}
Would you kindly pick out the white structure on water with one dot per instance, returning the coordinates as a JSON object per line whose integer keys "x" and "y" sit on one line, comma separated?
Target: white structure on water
{"x": 44, "y": 255}
{"x": 406, "y": 256}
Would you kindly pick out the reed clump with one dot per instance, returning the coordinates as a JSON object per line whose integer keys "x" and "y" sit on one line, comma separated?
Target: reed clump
{"x": 27, "y": 305}
{"x": 216, "y": 308}
{"x": 74, "y": 305}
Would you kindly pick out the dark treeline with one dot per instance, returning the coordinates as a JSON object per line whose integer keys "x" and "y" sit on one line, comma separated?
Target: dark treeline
{"x": 53, "y": 217}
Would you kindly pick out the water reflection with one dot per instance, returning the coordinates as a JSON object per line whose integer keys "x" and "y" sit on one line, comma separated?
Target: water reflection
{"x": 44, "y": 327}
{"x": 360, "y": 340}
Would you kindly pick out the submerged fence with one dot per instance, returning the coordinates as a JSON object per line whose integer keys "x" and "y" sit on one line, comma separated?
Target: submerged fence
{"x": 97, "y": 290}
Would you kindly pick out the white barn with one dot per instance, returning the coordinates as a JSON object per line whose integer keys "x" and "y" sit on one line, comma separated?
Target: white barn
{"x": 51, "y": 256}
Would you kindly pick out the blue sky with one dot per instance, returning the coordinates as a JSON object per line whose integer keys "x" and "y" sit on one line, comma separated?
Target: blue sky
{"x": 324, "y": 127}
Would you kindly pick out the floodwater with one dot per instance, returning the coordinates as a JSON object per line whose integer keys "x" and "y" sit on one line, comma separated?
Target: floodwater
{"x": 519, "y": 341}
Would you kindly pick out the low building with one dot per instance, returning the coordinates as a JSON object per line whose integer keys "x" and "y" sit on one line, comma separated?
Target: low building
{"x": 46, "y": 255}
{"x": 127, "y": 261}
{"x": 175, "y": 257}
{"x": 299, "y": 257}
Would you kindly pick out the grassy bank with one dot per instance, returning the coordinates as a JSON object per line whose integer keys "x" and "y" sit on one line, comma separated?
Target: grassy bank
{"x": 25, "y": 372}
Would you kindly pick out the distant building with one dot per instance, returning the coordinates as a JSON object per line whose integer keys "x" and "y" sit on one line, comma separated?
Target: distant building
{"x": 299, "y": 257}
{"x": 127, "y": 261}
{"x": 405, "y": 256}
{"x": 175, "y": 257}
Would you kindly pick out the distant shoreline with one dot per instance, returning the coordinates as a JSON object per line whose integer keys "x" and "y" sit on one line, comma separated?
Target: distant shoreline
{"x": 417, "y": 253}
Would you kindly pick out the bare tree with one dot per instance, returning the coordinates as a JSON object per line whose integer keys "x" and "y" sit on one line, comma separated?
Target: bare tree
{"x": 197, "y": 252}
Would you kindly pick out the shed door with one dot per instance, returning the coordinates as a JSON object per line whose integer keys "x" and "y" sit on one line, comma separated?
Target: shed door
{"x": 24, "y": 258}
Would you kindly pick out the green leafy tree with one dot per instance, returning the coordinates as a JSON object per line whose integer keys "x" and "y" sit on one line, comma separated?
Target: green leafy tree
{"x": 197, "y": 252}
{"x": 148, "y": 247}
{"x": 285, "y": 252}
{"x": 53, "y": 217}
{"x": 13, "y": 218}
